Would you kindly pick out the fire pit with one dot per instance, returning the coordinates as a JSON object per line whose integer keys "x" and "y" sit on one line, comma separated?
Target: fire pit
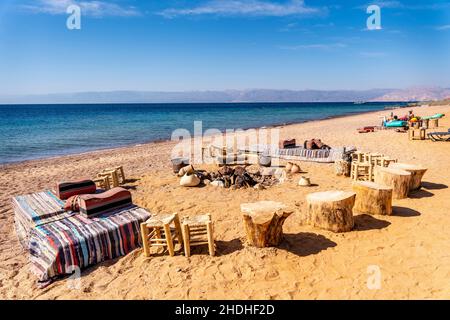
{"x": 239, "y": 177}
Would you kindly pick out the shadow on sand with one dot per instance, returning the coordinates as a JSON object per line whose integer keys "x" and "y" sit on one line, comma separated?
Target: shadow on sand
{"x": 305, "y": 243}
{"x": 365, "y": 222}
{"x": 434, "y": 186}
{"x": 226, "y": 247}
{"x": 404, "y": 212}
{"x": 419, "y": 194}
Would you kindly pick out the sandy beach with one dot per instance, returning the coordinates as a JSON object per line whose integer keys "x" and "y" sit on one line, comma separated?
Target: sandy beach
{"x": 411, "y": 248}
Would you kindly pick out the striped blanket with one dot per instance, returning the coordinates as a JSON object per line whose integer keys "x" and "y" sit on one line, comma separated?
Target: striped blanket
{"x": 59, "y": 242}
{"x": 299, "y": 153}
{"x": 34, "y": 209}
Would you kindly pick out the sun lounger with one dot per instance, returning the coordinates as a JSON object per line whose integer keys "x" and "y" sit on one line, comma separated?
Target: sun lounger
{"x": 439, "y": 136}
{"x": 60, "y": 242}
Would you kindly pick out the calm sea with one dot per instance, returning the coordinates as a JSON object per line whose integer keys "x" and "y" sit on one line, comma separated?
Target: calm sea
{"x": 40, "y": 131}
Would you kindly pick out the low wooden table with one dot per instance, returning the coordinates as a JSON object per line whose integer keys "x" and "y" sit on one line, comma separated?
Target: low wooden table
{"x": 264, "y": 221}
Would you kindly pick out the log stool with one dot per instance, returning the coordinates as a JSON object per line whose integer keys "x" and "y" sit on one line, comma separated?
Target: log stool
{"x": 331, "y": 210}
{"x": 372, "y": 198}
{"x": 161, "y": 231}
{"x": 361, "y": 171}
{"x": 398, "y": 180}
{"x": 194, "y": 230}
{"x": 263, "y": 222}
{"x": 342, "y": 168}
{"x": 102, "y": 182}
{"x": 416, "y": 171}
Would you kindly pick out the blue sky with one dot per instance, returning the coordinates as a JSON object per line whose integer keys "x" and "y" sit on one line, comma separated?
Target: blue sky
{"x": 215, "y": 45}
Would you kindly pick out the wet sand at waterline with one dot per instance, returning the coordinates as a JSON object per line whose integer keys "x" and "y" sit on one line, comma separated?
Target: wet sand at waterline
{"x": 411, "y": 248}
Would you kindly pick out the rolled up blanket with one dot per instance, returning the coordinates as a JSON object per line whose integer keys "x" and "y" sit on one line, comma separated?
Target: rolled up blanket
{"x": 65, "y": 190}
{"x": 94, "y": 204}
{"x": 72, "y": 204}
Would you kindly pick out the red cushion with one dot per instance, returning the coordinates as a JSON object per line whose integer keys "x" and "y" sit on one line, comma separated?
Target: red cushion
{"x": 65, "y": 190}
{"x": 93, "y": 204}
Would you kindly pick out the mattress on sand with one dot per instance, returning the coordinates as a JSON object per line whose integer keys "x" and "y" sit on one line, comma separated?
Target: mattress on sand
{"x": 61, "y": 242}
{"x": 299, "y": 153}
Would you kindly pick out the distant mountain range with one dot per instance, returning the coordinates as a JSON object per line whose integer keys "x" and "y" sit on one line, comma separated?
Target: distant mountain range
{"x": 226, "y": 96}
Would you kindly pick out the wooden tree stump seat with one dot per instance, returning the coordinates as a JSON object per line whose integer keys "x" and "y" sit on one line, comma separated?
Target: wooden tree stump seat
{"x": 263, "y": 222}
{"x": 372, "y": 198}
{"x": 331, "y": 210}
{"x": 399, "y": 180}
{"x": 342, "y": 168}
{"x": 416, "y": 171}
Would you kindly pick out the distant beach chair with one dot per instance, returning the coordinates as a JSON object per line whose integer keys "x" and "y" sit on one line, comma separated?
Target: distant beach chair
{"x": 439, "y": 136}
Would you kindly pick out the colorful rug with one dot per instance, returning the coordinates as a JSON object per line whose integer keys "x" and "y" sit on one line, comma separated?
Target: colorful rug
{"x": 60, "y": 243}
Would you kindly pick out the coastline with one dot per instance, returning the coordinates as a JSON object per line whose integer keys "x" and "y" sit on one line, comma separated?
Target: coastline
{"x": 311, "y": 263}
{"x": 159, "y": 141}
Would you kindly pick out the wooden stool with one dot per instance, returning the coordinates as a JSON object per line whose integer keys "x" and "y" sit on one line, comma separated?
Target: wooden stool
{"x": 372, "y": 198}
{"x": 372, "y": 158}
{"x": 112, "y": 176}
{"x": 417, "y": 134}
{"x": 120, "y": 174}
{"x": 416, "y": 171}
{"x": 263, "y": 222}
{"x": 194, "y": 231}
{"x": 361, "y": 171}
{"x": 102, "y": 182}
{"x": 385, "y": 161}
{"x": 330, "y": 210}
{"x": 357, "y": 156}
{"x": 398, "y": 180}
{"x": 161, "y": 231}
{"x": 434, "y": 123}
